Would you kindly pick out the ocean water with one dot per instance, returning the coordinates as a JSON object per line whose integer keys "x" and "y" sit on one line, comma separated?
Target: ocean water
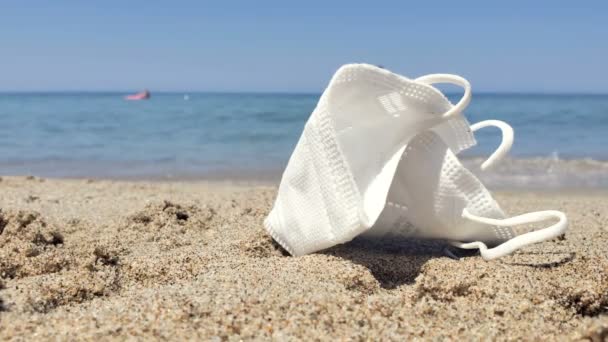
{"x": 560, "y": 140}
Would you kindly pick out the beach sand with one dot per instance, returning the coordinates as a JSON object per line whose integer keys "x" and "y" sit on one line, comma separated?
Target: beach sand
{"x": 98, "y": 259}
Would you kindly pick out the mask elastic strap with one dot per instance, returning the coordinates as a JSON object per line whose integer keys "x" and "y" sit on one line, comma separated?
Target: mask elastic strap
{"x": 519, "y": 241}
{"x": 505, "y": 144}
{"x": 452, "y": 79}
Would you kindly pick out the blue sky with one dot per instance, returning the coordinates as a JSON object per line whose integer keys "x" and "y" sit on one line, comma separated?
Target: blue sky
{"x": 289, "y": 46}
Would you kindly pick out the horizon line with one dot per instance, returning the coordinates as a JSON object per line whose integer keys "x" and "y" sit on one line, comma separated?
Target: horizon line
{"x": 272, "y": 92}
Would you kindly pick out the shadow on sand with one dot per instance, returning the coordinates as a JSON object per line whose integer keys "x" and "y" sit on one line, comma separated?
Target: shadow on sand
{"x": 541, "y": 259}
{"x": 398, "y": 261}
{"x": 392, "y": 261}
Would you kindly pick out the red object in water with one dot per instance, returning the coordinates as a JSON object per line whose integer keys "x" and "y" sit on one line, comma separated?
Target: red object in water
{"x": 144, "y": 95}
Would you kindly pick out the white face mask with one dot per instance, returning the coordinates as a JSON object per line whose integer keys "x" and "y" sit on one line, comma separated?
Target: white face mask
{"x": 337, "y": 179}
{"x": 434, "y": 196}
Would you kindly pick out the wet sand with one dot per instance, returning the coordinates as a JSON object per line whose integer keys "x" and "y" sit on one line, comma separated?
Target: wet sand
{"x": 109, "y": 259}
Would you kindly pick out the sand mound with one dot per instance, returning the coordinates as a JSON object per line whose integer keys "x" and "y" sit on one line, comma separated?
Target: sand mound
{"x": 587, "y": 296}
{"x": 28, "y": 245}
{"x": 171, "y": 216}
{"x": 153, "y": 246}
{"x": 262, "y": 245}
{"x": 74, "y": 286}
{"x": 171, "y": 225}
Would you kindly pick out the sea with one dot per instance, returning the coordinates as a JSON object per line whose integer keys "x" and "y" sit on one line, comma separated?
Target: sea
{"x": 561, "y": 140}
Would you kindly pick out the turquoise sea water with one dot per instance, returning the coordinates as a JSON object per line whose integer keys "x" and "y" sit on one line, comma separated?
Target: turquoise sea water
{"x": 560, "y": 140}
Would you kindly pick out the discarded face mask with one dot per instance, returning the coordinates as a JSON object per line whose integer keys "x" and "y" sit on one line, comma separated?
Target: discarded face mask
{"x": 338, "y": 176}
{"x": 434, "y": 196}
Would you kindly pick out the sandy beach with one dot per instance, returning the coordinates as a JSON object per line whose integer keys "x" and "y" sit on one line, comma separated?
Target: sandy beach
{"x": 109, "y": 259}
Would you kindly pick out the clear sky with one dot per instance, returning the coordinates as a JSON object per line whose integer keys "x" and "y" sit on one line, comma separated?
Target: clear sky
{"x": 294, "y": 46}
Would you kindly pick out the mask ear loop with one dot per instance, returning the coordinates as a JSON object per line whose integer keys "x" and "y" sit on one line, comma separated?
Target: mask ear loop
{"x": 505, "y": 144}
{"x": 452, "y": 79}
{"x": 519, "y": 241}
